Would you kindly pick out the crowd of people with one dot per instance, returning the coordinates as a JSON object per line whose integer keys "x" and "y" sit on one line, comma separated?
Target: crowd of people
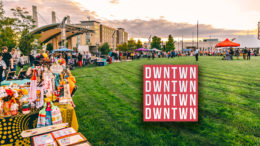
{"x": 9, "y": 61}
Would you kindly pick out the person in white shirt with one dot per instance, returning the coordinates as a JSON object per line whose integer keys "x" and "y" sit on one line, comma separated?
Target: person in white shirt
{"x": 197, "y": 54}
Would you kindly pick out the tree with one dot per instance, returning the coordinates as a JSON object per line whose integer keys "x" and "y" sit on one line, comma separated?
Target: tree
{"x": 23, "y": 24}
{"x": 131, "y": 45}
{"x": 49, "y": 47}
{"x": 156, "y": 42}
{"x": 170, "y": 44}
{"x": 139, "y": 44}
{"x": 7, "y": 34}
{"x": 122, "y": 47}
{"x": 104, "y": 49}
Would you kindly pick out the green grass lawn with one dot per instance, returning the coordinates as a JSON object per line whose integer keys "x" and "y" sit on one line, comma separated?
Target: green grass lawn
{"x": 109, "y": 104}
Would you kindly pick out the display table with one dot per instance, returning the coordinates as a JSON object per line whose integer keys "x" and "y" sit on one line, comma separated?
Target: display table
{"x": 18, "y": 82}
{"x": 11, "y": 127}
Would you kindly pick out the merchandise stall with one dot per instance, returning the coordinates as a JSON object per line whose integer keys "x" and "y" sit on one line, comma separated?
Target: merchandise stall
{"x": 40, "y": 101}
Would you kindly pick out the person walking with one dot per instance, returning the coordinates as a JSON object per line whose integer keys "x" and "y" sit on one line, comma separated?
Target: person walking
{"x": 248, "y": 54}
{"x": 153, "y": 55}
{"x": 80, "y": 60}
{"x": 197, "y": 54}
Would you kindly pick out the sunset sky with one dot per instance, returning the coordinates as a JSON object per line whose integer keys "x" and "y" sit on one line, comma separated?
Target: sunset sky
{"x": 141, "y": 18}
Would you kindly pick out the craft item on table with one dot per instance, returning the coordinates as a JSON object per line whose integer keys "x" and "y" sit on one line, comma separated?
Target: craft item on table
{"x": 55, "y": 114}
{"x": 56, "y": 68}
{"x": 56, "y": 80}
{"x": 48, "y": 115}
{"x": 3, "y": 93}
{"x": 71, "y": 139}
{"x": 26, "y": 108}
{"x": 39, "y": 73}
{"x": 14, "y": 108}
{"x": 9, "y": 92}
{"x": 42, "y": 130}
{"x": 1, "y": 108}
{"x": 15, "y": 93}
{"x": 66, "y": 99}
{"x": 40, "y": 98}
{"x": 68, "y": 115}
{"x": 33, "y": 86}
{"x": 44, "y": 140}
{"x": 48, "y": 78}
{"x": 25, "y": 96}
{"x": 42, "y": 117}
{"x": 7, "y": 110}
{"x": 63, "y": 132}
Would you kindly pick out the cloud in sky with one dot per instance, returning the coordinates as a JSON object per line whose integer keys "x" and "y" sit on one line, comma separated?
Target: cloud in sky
{"x": 162, "y": 28}
{"x": 45, "y": 7}
{"x": 114, "y": 1}
{"x": 135, "y": 27}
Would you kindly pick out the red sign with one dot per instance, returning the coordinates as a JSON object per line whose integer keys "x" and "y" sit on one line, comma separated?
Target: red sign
{"x": 170, "y": 93}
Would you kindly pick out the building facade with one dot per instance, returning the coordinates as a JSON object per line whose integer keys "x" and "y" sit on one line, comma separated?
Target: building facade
{"x": 102, "y": 34}
{"x": 206, "y": 44}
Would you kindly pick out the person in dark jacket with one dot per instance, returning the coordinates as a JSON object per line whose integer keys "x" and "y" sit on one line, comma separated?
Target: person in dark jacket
{"x": 80, "y": 60}
{"x": 248, "y": 54}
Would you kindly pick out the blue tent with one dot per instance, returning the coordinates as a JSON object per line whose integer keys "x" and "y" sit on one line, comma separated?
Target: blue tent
{"x": 186, "y": 50}
{"x": 63, "y": 50}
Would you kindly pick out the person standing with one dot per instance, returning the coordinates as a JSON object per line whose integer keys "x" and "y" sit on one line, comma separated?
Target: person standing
{"x": 15, "y": 58}
{"x": 20, "y": 62}
{"x": 132, "y": 55}
{"x": 80, "y": 60}
{"x": 244, "y": 53}
{"x": 2, "y": 68}
{"x": 7, "y": 57}
{"x": 231, "y": 53}
{"x": 237, "y": 54}
{"x": 248, "y": 54}
{"x": 31, "y": 58}
{"x": 197, "y": 54}
{"x": 84, "y": 59}
{"x": 153, "y": 55}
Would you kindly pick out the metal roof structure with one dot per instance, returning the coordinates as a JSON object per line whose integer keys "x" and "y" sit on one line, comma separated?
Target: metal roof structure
{"x": 50, "y": 31}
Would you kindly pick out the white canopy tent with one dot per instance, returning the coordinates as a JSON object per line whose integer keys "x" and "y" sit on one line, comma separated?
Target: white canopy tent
{"x": 249, "y": 41}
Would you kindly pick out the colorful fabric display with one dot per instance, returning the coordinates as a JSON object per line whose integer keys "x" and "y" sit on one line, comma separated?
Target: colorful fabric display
{"x": 42, "y": 117}
{"x": 56, "y": 115}
{"x": 47, "y": 85}
{"x": 48, "y": 115}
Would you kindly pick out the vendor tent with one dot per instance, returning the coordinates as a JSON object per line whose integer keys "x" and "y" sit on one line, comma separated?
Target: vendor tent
{"x": 186, "y": 50}
{"x": 249, "y": 41}
{"x": 63, "y": 50}
{"x": 227, "y": 43}
{"x": 141, "y": 49}
{"x": 156, "y": 50}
